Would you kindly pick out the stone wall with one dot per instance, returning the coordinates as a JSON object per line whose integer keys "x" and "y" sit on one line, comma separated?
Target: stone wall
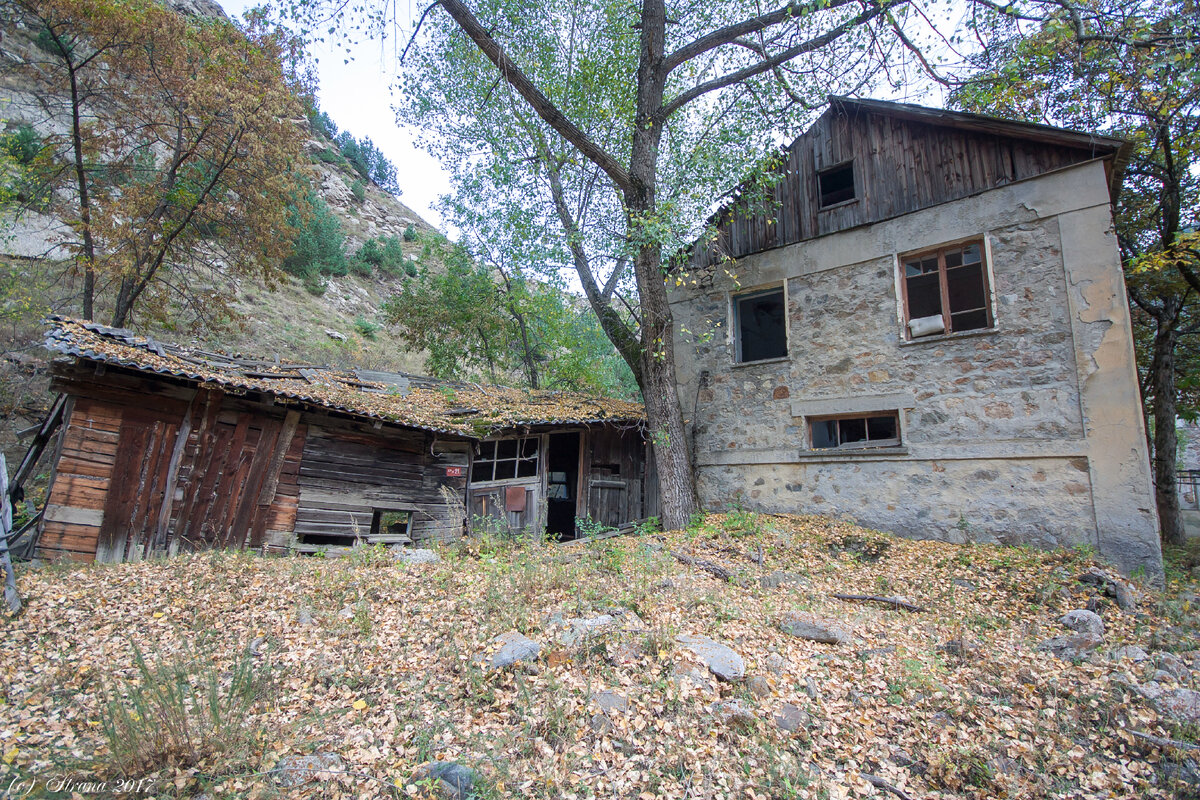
{"x": 1029, "y": 432}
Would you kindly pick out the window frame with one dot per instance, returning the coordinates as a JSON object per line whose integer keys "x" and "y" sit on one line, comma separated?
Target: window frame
{"x": 865, "y": 444}
{"x": 735, "y": 330}
{"x": 848, "y": 163}
{"x": 988, "y": 307}
{"x": 490, "y": 463}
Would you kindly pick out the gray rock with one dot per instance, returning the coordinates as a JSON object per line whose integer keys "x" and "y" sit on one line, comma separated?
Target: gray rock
{"x": 776, "y": 579}
{"x": 580, "y": 630}
{"x": 453, "y": 781}
{"x": 1131, "y": 652}
{"x": 298, "y": 770}
{"x": 810, "y": 688}
{"x": 963, "y": 583}
{"x": 347, "y": 612}
{"x": 1161, "y": 676}
{"x": 1073, "y": 647}
{"x": 816, "y": 630}
{"x": 514, "y": 648}
{"x": 776, "y": 664}
{"x": 1173, "y": 664}
{"x": 610, "y": 702}
{"x": 1181, "y": 705}
{"x": 419, "y": 555}
{"x": 600, "y": 723}
{"x": 791, "y": 718}
{"x": 258, "y": 646}
{"x": 959, "y": 648}
{"x": 720, "y": 659}
{"x": 1115, "y": 587}
{"x": 687, "y": 674}
{"x": 758, "y": 686}
{"x": 1083, "y": 621}
{"x": 304, "y": 616}
{"x": 732, "y": 712}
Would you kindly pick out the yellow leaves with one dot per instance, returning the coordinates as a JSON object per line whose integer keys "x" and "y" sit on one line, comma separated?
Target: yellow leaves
{"x": 10, "y": 755}
{"x": 360, "y": 705}
{"x": 158, "y": 615}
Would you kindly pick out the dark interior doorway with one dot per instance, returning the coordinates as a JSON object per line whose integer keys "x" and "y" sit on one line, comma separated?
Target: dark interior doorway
{"x": 562, "y": 486}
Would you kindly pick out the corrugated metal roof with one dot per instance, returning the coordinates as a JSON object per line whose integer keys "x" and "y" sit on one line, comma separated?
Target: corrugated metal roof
{"x": 412, "y": 401}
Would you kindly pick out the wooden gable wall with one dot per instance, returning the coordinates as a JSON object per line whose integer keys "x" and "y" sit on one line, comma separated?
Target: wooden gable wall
{"x": 900, "y": 166}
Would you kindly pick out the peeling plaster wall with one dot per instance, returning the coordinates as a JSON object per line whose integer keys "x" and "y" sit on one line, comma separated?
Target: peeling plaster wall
{"x": 1027, "y": 433}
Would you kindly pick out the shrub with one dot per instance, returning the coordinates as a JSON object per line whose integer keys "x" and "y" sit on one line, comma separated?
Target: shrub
{"x": 410, "y": 233}
{"x": 329, "y": 156}
{"x": 23, "y": 144}
{"x": 183, "y": 712}
{"x": 359, "y": 267}
{"x": 359, "y": 190}
{"x": 318, "y": 246}
{"x": 370, "y": 252}
{"x": 366, "y": 328}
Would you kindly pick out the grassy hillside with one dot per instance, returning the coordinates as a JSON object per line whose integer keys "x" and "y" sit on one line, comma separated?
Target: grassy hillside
{"x": 373, "y": 669}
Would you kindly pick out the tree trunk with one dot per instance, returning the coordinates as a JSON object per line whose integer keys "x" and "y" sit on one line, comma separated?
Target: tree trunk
{"x": 1166, "y": 491}
{"x": 672, "y": 456}
{"x": 85, "y": 208}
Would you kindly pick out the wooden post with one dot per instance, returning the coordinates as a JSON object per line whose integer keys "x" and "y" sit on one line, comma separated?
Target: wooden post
{"x": 11, "y": 598}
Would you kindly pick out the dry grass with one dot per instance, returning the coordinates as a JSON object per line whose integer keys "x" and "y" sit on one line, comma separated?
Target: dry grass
{"x": 394, "y": 682}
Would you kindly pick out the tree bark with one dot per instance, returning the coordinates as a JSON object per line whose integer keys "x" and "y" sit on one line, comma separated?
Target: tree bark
{"x": 85, "y": 208}
{"x": 1166, "y": 444}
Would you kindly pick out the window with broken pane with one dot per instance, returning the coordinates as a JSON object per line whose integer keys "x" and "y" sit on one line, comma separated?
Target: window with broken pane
{"x": 865, "y": 430}
{"x": 506, "y": 459}
{"x": 946, "y": 290}
{"x": 761, "y": 325}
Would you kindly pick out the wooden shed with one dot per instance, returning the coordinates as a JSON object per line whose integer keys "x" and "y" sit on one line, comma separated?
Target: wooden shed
{"x": 164, "y": 448}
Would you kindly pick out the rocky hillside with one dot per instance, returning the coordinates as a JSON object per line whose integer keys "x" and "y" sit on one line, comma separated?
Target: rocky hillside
{"x": 341, "y": 326}
{"x": 795, "y": 657}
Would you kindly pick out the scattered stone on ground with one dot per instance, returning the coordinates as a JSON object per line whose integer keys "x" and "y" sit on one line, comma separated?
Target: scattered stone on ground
{"x": 1117, "y": 588}
{"x": 1173, "y": 665}
{"x": 1131, "y": 652}
{"x": 1072, "y": 647}
{"x": 733, "y": 712}
{"x": 774, "y": 580}
{"x": 578, "y": 631}
{"x": 776, "y": 664}
{"x": 304, "y": 616}
{"x": 963, "y": 583}
{"x": 720, "y": 659}
{"x": 814, "y": 629}
{"x": 1083, "y": 621}
{"x": 791, "y": 718}
{"x": 418, "y": 555}
{"x": 452, "y": 781}
{"x": 1181, "y": 705}
{"x": 293, "y": 770}
{"x": 514, "y": 648}
{"x": 758, "y": 686}
{"x": 610, "y": 702}
{"x": 960, "y": 648}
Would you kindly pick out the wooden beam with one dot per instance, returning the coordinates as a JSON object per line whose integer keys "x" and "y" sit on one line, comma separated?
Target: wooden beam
{"x": 164, "y": 513}
{"x": 282, "y": 444}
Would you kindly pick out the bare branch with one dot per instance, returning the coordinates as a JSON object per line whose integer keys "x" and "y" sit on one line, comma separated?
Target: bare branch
{"x": 541, "y": 104}
{"x": 782, "y": 57}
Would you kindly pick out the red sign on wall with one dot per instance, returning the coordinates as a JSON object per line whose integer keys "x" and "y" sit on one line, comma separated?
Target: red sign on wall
{"x": 454, "y": 472}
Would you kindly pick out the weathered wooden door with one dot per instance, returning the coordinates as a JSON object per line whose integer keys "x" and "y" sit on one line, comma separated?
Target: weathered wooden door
{"x": 133, "y": 509}
{"x": 614, "y": 476}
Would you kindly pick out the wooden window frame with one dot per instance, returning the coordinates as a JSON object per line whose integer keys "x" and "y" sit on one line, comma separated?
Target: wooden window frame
{"x": 490, "y": 463}
{"x": 853, "y": 184}
{"x": 735, "y": 330}
{"x": 944, "y": 286}
{"x": 866, "y": 444}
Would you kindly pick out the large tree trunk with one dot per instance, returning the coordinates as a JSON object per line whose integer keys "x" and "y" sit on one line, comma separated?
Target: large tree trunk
{"x": 85, "y": 207}
{"x": 672, "y": 456}
{"x": 1166, "y": 492}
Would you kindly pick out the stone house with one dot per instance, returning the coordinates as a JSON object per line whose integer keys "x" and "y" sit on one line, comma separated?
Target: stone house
{"x": 923, "y": 326}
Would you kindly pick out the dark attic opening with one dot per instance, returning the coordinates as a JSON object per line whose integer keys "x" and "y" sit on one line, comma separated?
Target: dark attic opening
{"x": 562, "y": 487}
{"x": 836, "y": 184}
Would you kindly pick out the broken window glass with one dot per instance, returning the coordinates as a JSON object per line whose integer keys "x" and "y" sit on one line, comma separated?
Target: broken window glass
{"x": 836, "y": 185}
{"x": 761, "y": 325}
{"x": 864, "y": 430}
{"x": 946, "y": 290}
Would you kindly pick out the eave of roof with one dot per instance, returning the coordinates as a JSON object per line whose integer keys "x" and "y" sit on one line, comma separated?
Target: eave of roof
{"x": 462, "y": 409}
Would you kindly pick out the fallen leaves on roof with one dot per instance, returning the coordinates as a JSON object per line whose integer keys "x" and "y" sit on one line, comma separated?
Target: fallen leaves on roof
{"x": 374, "y": 670}
{"x": 445, "y": 407}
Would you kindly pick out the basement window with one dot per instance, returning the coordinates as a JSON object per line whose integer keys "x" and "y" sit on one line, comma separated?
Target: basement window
{"x": 391, "y": 527}
{"x": 506, "y": 459}
{"x": 857, "y": 431}
{"x": 836, "y": 185}
{"x": 946, "y": 290}
{"x": 760, "y": 325}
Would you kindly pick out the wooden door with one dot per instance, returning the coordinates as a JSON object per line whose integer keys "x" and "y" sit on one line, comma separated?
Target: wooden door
{"x": 133, "y": 507}
{"x": 514, "y": 506}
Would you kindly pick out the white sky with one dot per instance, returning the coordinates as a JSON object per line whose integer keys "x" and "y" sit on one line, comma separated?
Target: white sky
{"x": 357, "y": 95}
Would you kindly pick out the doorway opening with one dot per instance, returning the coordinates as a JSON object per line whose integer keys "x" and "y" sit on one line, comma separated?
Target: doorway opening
{"x": 562, "y": 485}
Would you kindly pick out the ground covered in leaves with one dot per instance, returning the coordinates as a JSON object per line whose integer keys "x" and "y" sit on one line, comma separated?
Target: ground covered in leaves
{"x": 204, "y": 674}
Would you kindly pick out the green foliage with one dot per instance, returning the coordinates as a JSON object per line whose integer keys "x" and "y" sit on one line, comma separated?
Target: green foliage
{"x": 359, "y": 190}
{"x": 410, "y": 234}
{"x": 329, "y": 156}
{"x": 385, "y": 253}
{"x": 181, "y": 712}
{"x": 317, "y": 249}
{"x": 23, "y": 145}
{"x": 366, "y": 328}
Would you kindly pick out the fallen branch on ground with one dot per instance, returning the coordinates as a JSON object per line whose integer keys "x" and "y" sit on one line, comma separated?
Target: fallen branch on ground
{"x": 1162, "y": 741}
{"x": 895, "y": 602}
{"x": 716, "y": 570}
{"x": 880, "y": 783}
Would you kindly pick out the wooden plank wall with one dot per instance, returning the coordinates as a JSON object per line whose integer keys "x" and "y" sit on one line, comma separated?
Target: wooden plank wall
{"x": 900, "y": 166}
{"x": 138, "y": 476}
{"x": 614, "y": 476}
{"x": 348, "y": 470}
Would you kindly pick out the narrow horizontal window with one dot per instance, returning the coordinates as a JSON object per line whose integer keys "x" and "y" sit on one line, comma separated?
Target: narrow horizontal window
{"x": 761, "y": 325}
{"x": 880, "y": 429}
{"x": 836, "y": 185}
